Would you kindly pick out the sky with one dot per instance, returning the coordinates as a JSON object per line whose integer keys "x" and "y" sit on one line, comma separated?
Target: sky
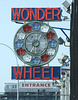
{"x": 8, "y": 30}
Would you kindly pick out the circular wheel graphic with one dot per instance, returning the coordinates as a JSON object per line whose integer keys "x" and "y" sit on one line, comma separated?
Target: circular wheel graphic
{"x": 36, "y": 43}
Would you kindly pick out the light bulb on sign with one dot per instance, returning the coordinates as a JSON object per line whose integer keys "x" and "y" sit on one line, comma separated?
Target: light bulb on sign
{"x": 50, "y": 35}
{"x": 27, "y": 58}
{"x": 27, "y": 28}
{"x": 52, "y": 43}
{"x": 44, "y": 28}
{"x": 45, "y": 57}
{"x": 18, "y": 43}
{"x": 36, "y": 26}
{"x": 50, "y": 51}
{"x": 36, "y": 60}
{"x": 20, "y": 36}
{"x": 21, "y": 51}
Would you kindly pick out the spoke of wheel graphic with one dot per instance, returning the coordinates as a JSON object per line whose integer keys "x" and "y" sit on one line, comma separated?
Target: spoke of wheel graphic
{"x": 36, "y": 37}
{"x": 29, "y": 39}
{"x": 42, "y": 46}
{"x": 43, "y": 43}
{"x": 32, "y": 49}
{"x": 35, "y": 50}
{"x": 39, "y": 37}
{"x": 28, "y": 43}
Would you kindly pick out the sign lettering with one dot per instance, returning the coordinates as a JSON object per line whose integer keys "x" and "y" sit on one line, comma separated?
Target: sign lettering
{"x": 36, "y": 73}
{"x": 36, "y": 85}
{"x": 36, "y": 14}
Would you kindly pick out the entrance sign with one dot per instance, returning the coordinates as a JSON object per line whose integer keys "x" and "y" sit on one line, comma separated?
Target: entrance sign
{"x": 36, "y": 14}
{"x": 36, "y": 73}
{"x": 35, "y": 85}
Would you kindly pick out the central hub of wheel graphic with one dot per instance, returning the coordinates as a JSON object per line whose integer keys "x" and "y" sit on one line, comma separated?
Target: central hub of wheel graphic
{"x": 36, "y": 43}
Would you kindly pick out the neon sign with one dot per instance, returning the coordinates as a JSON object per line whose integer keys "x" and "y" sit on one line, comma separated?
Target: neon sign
{"x": 36, "y": 73}
{"x": 36, "y": 14}
{"x": 36, "y": 43}
{"x": 36, "y": 85}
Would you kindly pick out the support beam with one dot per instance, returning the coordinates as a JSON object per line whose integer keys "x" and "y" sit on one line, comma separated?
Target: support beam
{"x": 74, "y": 52}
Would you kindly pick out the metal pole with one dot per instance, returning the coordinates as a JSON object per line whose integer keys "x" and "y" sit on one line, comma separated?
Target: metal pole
{"x": 67, "y": 85}
{"x": 17, "y": 89}
{"x": 11, "y": 50}
{"x": 56, "y": 96}
{"x": 17, "y": 65}
{"x": 74, "y": 52}
{"x": 63, "y": 86}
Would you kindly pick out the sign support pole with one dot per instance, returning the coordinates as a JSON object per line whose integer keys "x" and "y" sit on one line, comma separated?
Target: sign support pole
{"x": 17, "y": 65}
{"x": 74, "y": 52}
{"x": 18, "y": 89}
